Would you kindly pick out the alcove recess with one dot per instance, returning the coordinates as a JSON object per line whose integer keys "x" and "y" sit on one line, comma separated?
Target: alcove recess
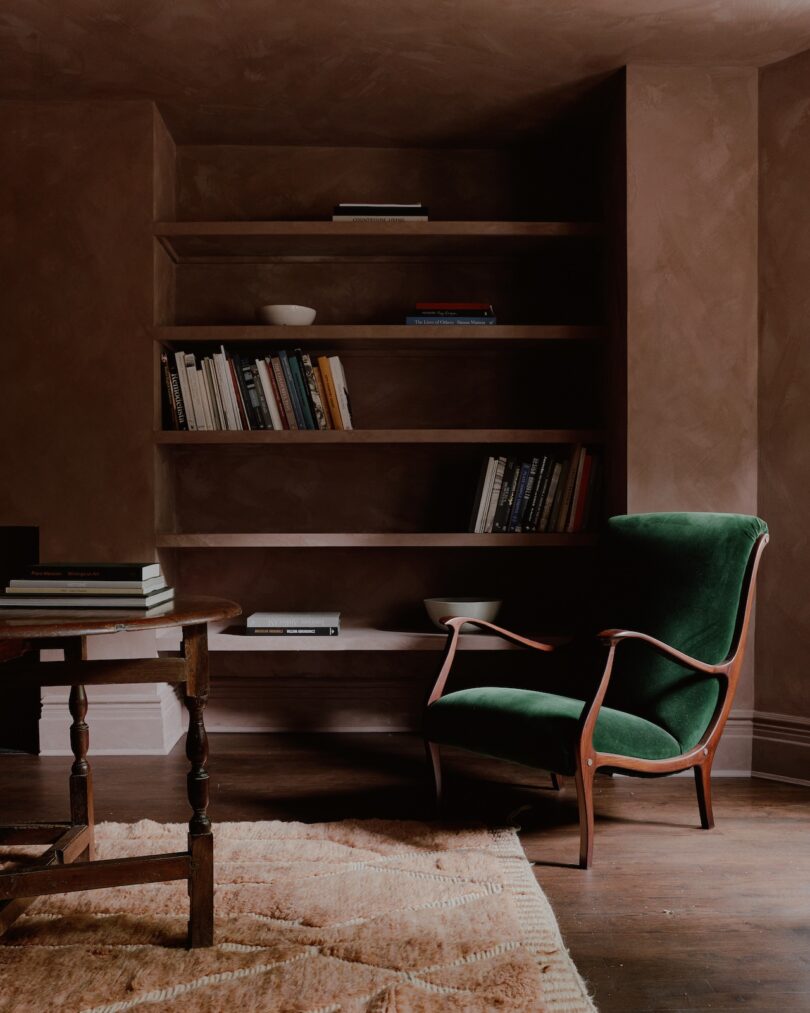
{"x": 369, "y": 522}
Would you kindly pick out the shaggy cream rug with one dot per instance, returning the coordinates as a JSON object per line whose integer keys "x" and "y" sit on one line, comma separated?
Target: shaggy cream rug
{"x": 364, "y": 915}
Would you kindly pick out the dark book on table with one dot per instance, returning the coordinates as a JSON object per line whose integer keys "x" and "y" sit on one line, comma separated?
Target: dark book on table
{"x": 90, "y": 571}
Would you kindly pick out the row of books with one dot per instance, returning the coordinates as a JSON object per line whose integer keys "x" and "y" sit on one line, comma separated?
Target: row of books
{"x": 88, "y": 585}
{"x": 552, "y": 492}
{"x": 230, "y": 390}
{"x": 380, "y": 213}
{"x": 293, "y": 624}
{"x": 434, "y": 314}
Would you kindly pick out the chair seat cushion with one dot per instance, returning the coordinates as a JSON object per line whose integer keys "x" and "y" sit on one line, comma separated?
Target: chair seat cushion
{"x": 538, "y": 729}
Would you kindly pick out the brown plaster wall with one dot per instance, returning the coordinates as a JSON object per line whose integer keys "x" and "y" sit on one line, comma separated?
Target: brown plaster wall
{"x": 692, "y": 293}
{"x": 76, "y": 308}
{"x": 783, "y": 644}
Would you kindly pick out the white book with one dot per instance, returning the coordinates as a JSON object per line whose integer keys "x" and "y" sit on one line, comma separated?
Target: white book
{"x": 213, "y": 393}
{"x": 231, "y": 415}
{"x": 185, "y": 390}
{"x": 23, "y": 584}
{"x": 486, "y": 492}
{"x": 145, "y": 589}
{"x": 68, "y": 601}
{"x": 494, "y": 496}
{"x": 293, "y": 619}
{"x": 269, "y": 396}
{"x": 341, "y": 390}
{"x": 205, "y": 401}
{"x": 379, "y": 218}
{"x": 194, "y": 394}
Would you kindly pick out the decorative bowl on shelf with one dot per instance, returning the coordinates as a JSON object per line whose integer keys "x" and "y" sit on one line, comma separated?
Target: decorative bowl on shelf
{"x": 286, "y": 314}
{"x": 472, "y": 608}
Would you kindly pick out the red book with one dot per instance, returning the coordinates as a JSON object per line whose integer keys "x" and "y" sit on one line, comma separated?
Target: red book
{"x": 578, "y": 510}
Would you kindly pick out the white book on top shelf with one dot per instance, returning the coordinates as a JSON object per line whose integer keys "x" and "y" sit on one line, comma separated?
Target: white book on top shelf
{"x": 341, "y": 390}
{"x": 185, "y": 389}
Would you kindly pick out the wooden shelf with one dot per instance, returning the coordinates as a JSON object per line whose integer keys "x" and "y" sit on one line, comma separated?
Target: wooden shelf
{"x": 365, "y": 436}
{"x": 380, "y": 336}
{"x": 214, "y": 241}
{"x": 366, "y": 540}
{"x": 224, "y": 638}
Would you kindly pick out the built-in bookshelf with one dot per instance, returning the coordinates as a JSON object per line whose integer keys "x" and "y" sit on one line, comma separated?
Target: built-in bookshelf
{"x": 369, "y": 521}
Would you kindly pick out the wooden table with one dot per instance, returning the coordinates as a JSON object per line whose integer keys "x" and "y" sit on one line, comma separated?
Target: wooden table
{"x": 69, "y": 863}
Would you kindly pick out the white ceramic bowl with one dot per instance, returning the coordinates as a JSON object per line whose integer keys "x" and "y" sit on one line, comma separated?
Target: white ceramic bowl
{"x": 286, "y": 313}
{"x": 472, "y": 608}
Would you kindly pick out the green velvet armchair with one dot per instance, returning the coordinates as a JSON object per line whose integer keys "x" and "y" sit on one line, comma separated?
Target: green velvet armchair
{"x": 676, "y": 605}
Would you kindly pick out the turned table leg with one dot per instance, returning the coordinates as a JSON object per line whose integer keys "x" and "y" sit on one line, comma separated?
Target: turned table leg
{"x": 81, "y": 776}
{"x": 200, "y": 838}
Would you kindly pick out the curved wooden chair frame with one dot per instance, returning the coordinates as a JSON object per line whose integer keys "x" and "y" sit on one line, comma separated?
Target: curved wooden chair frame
{"x": 588, "y": 759}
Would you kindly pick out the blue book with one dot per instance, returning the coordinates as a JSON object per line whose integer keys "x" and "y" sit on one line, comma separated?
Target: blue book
{"x": 292, "y": 389}
{"x": 450, "y": 321}
{"x": 302, "y": 391}
{"x": 517, "y": 503}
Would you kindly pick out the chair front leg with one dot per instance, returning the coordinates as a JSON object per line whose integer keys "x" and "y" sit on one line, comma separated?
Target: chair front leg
{"x": 703, "y": 784}
{"x": 584, "y": 778}
{"x": 434, "y": 758}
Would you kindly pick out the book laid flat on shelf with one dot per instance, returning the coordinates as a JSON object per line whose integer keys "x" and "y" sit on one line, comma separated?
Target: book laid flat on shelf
{"x": 380, "y": 213}
{"x": 282, "y": 389}
{"x": 293, "y": 624}
{"x": 468, "y": 314}
{"x": 556, "y": 491}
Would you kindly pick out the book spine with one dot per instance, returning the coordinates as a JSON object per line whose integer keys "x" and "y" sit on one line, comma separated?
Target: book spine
{"x": 225, "y": 389}
{"x": 568, "y": 491}
{"x": 302, "y": 390}
{"x": 517, "y": 498}
{"x": 501, "y": 518}
{"x": 538, "y": 494}
{"x": 549, "y": 496}
{"x": 291, "y": 389}
{"x": 169, "y": 405}
{"x": 550, "y": 522}
{"x": 481, "y": 498}
{"x": 341, "y": 390}
{"x": 314, "y": 393}
{"x": 241, "y": 407}
{"x": 581, "y": 496}
{"x": 213, "y": 390}
{"x": 327, "y": 412}
{"x": 264, "y": 408}
{"x": 379, "y": 218}
{"x": 292, "y": 631}
{"x": 331, "y": 393}
{"x": 287, "y": 413}
{"x": 526, "y": 498}
{"x": 49, "y": 571}
{"x": 193, "y": 394}
{"x": 423, "y": 321}
{"x": 182, "y": 379}
{"x": 270, "y": 393}
{"x": 497, "y": 482}
{"x": 251, "y": 399}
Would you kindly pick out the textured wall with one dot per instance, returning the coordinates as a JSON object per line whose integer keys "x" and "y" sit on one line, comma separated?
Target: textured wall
{"x": 783, "y": 648}
{"x": 76, "y": 307}
{"x": 692, "y": 294}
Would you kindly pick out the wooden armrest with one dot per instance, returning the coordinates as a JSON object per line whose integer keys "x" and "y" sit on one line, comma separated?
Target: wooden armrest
{"x": 616, "y": 637}
{"x": 454, "y": 631}
{"x": 457, "y": 622}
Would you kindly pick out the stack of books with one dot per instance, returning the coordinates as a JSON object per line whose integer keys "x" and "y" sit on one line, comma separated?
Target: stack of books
{"x": 229, "y": 390}
{"x": 380, "y": 213}
{"x": 293, "y": 624}
{"x": 550, "y": 492}
{"x": 88, "y": 585}
{"x": 465, "y": 313}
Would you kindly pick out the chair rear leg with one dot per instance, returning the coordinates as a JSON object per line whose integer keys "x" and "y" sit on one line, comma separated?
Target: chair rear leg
{"x": 557, "y": 781}
{"x": 433, "y": 754}
{"x": 703, "y": 783}
{"x": 584, "y": 778}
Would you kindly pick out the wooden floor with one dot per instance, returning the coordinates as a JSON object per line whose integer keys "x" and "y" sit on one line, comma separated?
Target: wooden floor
{"x": 670, "y": 917}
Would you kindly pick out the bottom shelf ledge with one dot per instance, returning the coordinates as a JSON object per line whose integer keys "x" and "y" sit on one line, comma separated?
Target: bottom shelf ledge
{"x": 225, "y": 638}
{"x": 368, "y": 540}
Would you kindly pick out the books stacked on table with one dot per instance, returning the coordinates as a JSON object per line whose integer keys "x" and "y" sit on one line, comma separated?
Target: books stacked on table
{"x": 555, "y": 491}
{"x": 442, "y": 313}
{"x": 293, "y": 624}
{"x": 278, "y": 390}
{"x": 380, "y": 213}
{"x": 88, "y": 585}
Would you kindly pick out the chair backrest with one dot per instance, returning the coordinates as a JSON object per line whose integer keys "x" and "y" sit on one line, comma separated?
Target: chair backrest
{"x": 678, "y": 577}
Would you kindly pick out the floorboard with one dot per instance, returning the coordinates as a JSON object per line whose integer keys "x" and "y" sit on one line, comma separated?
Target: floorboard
{"x": 670, "y": 917}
